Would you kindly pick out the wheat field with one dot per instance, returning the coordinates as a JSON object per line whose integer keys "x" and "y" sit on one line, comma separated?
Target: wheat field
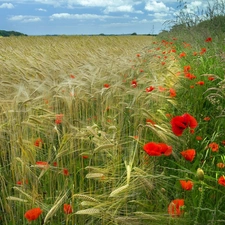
{"x": 72, "y": 125}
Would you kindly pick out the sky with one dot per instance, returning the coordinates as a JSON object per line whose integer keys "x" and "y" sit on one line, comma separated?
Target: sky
{"x": 85, "y": 17}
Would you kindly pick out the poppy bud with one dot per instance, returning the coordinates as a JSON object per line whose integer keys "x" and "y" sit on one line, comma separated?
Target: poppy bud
{"x": 200, "y": 174}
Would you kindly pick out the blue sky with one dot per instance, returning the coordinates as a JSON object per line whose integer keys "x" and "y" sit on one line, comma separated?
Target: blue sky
{"x": 40, "y": 17}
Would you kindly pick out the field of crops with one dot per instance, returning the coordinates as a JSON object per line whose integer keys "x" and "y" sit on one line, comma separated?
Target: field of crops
{"x": 112, "y": 130}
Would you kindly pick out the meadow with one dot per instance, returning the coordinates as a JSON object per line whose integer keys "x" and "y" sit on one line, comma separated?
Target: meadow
{"x": 112, "y": 130}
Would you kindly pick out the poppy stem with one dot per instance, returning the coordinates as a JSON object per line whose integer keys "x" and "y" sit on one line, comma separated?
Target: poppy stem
{"x": 200, "y": 203}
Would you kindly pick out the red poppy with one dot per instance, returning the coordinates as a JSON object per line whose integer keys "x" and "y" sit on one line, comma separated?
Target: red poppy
{"x": 187, "y": 68}
{"x": 67, "y": 209}
{"x": 157, "y": 149}
{"x": 182, "y": 54}
{"x": 42, "y": 164}
{"x": 207, "y": 118}
{"x": 134, "y": 83}
{"x": 33, "y": 214}
{"x": 201, "y": 83}
{"x": 220, "y": 165}
{"x": 198, "y": 138}
{"x": 186, "y": 185}
{"x": 138, "y": 55}
{"x": 195, "y": 53}
{"x": 38, "y": 142}
{"x": 214, "y": 147}
{"x": 180, "y": 123}
{"x": 72, "y": 76}
{"x": 66, "y": 172}
{"x": 174, "y": 208}
{"x": 192, "y": 86}
{"x": 161, "y": 88}
{"x": 163, "y": 63}
{"x": 209, "y": 39}
{"x": 172, "y": 93}
{"x": 141, "y": 70}
{"x": 58, "y": 118}
{"x": 189, "y": 154}
{"x": 223, "y": 142}
{"x": 211, "y": 78}
{"x": 203, "y": 51}
{"x": 106, "y": 85}
{"x": 190, "y": 76}
{"x": 149, "y": 121}
{"x": 221, "y": 180}
{"x": 149, "y": 89}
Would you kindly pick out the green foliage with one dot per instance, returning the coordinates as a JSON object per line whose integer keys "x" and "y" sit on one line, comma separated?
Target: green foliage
{"x": 5, "y": 33}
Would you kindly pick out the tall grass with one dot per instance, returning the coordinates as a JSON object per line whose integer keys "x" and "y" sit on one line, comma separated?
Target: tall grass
{"x": 79, "y": 106}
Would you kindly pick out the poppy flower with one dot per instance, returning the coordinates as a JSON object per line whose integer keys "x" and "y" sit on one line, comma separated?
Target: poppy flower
{"x": 220, "y": 165}
{"x": 161, "y": 89}
{"x": 42, "y": 164}
{"x": 195, "y": 53}
{"x": 209, "y": 39}
{"x": 190, "y": 76}
{"x": 187, "y": 68}
{"x": 221, "y": 180}
{"x": 72, "y": 76}
{"x": 182, "y": 54}
{"x": 38, "y": 142}
{"x": 189, "y": 154}
{"x": 149, "y": 89}
{"x": 149, "y": 121}
{"x": 106, "y": 85}
{"x": 58, "y": 118}
{"x": 211, "y": 78}
{"x": 134, "y": 83}
{"x": 172, "y": 93}
{"x": 201, "y": 83}
{"x": 174, "y": 208}
{"x": 66, "y": 172}
{"x": 138, "y": 55}
{"x": 186, "y": 185}
{"x": 180, "y": 123}
{"x": 223, "y": 142}
{"x": 33, "y": 214}
{"x": 198, "y": 138}
{"x": 157, "y": 149}
{"x": 214, "y": 147}
{"x": 207, "y": 118}
{"x": 67, "y": 209}
{"x": 203, "y": 51}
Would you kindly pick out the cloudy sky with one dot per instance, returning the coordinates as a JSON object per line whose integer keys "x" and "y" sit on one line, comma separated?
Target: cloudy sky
{"x": 39, "y": 17}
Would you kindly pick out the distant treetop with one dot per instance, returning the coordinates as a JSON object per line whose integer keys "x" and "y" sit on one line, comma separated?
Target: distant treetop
{"x": 5, "y": 33}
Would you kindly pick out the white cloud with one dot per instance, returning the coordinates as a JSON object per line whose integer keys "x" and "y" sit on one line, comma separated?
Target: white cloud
{"x": 42, "y": 10}
{"x": 78, "y": 16}
{"x": 155, "y": 6}
{"x": 122, "y": 8}
{"x": 7, "y": 6}
{"x": 25, "y": 19}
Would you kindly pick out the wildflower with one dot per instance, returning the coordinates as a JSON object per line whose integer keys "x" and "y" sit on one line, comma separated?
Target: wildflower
{"x": 209, "y": 39}
{"x": 134, "y": 83}
{"x": 138, "y": 55}
{"x": 72, "y": 76}
{"x": 106, "y": 85}
{"x": 207, "y": 118}
{"x": 19, "y": 182}
{"x": 38, "y": 142}
{"x": 220, "y": 165}
{"x": 195, "y": 53}
{"x": 211, "y": 78}
{"x": 157, "y": 149}
{"x": 33, "y": 214}
{"x": 180, "y": 123}
{"x": 201, "y": 83}
{"x": 200, "y": 174}
{"x": 42, "y": 164}
{"x": 190, "y": 76}
{"x": 54, "y": 164}
{"x": 198, "y": 138}
{"x": 174, "y": 208}
{"x": 85, "y": 156}
{"x": 161, "y": 88}
{"x": 203, "y": 51}
{"x": 172, "y": 93}
{"x": 187, "y": 68}
{"x": 149, "y": 121}
{"x": 163, "y": 63}
{"x": 186, "y": 185}
{"x": 149, "y": 89}
{"x": 189, "y": 154}
{"x": 58, "y": 118}
{"x": 66, "y": 172}
{"x": 214, "y": 147}
{"x": 221, "y": 180}
{"x": 141, "y": 70}
{"x": 182, "y": 54}
{"x": 67, "y": 209}
{"x": 223, "y": 143}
